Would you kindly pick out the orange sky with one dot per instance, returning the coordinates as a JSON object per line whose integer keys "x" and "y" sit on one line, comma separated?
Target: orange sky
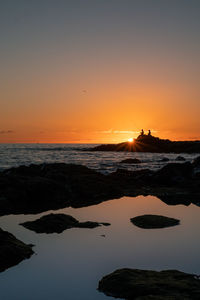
{"x": 99, "y": 75}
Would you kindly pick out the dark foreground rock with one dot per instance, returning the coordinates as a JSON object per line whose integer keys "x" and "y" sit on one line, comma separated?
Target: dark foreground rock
{"x": 164, "y": 159}
{"x": 37, "y": 188}
{"x": 57, "y": 223}
{"x": 12, "y": 250}
{"x": 180, "y": 158}
{"x": 131, "y": 161}
{"x": 132, "y": 284}
{"x": 154, "y": 221}
{"x": 196, "y": 162}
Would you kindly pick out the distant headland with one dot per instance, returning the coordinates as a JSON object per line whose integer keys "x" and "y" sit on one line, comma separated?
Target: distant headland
{"x": 149, "y": 143}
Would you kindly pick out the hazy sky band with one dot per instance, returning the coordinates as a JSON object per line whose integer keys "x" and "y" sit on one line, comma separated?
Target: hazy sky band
{"x": 72, "y": 69}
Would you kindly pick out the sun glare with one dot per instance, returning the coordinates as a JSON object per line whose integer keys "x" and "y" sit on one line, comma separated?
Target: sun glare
{"x": 130, "y": 140}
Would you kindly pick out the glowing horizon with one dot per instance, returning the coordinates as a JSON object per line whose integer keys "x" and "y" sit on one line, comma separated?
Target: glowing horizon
{"x": 99, "y": 71}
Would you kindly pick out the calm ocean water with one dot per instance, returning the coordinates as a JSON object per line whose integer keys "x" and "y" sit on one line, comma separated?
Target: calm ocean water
{"x": 105, "y": 162}
{"x": 68, "y": 266}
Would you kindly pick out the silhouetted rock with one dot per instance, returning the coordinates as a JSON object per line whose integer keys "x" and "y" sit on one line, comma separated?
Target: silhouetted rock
{"x": 180, "y": 158}
{"x": 12, "y": 250}
{"x": 164, "y": 159}
{"x": 137, "y": 284}
{"x": 154, "y": 221}
{"x": 38, "y": 188}
{"x": 57, "y": 223}
{"x": 174, "y": 173}
{"x": 149, "y": 143}
{"x": 196, "y": 162}
{"x": 131, "y": 161}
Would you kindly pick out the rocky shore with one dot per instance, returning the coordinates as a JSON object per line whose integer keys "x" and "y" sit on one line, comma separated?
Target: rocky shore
{"x": 149, "y": 143}
{"x": 38, "y": 188}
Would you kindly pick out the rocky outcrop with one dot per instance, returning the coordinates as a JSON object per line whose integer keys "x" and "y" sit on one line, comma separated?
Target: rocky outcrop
{"x": 132, "y": 284}
{"x": 37, "y": 188}
{"x": 174, "y": 173}
{"x": 154, "y": 221}
{"x": 57, "y": 223}
{"x": 149, "y": 143}
{"x": 12, "y": 250}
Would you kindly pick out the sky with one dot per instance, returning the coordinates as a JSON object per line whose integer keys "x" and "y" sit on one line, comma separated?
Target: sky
{"x": 98, "y": 71}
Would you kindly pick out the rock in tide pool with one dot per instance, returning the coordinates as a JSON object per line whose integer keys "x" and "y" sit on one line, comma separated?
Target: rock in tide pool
{"x": 131, "y": 161}
{"x": 132, "y": 284}
{"x": 154, "y": 221}
{"x": 57, "y": 223}
{"x": 12, "y": 250}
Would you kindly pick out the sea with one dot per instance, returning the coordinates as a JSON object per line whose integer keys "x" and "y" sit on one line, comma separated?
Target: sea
{"x": 13, "y": 155}
{"x": 69, "y": 265}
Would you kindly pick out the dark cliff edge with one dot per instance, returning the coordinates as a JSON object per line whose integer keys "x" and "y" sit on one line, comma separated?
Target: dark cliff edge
{"x": 149, "y": 143}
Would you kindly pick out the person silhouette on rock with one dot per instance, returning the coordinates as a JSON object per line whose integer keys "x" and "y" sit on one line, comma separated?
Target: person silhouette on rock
{"x": 149, "y": 133}
{"x": 142, "y": 132}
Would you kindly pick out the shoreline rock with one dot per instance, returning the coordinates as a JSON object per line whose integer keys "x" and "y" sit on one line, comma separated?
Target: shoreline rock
{"x": 38, "y": 188}
{"x": 57, "y": 223}
{"x": 12, "y": 250}
{"x": 154, "y": 221}
{"x": 138, "y": 284}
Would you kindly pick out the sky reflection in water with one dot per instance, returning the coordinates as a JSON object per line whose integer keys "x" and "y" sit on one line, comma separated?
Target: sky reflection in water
{"x": 69, "y": 265}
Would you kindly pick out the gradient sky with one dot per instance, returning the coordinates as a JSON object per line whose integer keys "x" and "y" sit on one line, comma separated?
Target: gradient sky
{"x": 92, "y": 71}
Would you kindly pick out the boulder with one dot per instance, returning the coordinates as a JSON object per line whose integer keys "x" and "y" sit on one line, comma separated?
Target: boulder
{"x": 12, "y": 250}
{"x": 154, "y": 221}
{"x": 38, "y": 188}
{"x": 173, "y": 173}
{"x": 57, "y": 223}
{"x": 137, "y": 284}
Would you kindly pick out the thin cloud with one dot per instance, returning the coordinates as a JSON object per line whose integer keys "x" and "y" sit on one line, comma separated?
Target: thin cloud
{"x": 6, "y": 131}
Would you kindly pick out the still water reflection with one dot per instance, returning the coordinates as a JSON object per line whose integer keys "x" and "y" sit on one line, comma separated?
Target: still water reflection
{"x": 69, "y": 265}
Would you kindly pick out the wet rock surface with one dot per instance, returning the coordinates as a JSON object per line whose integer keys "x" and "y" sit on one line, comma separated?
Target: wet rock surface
{"x": 154, "y": 221}
{"x": 12, "y": 250}
{"x": 137, "y": 284}
{"x": 57, "y": 223}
